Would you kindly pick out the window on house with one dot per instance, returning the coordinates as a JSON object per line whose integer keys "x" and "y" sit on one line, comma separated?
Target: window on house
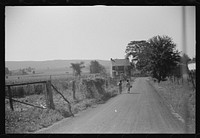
{"x": 121, "y": 68}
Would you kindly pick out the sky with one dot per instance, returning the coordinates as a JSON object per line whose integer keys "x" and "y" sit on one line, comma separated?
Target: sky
{"x": 37, "y": 33}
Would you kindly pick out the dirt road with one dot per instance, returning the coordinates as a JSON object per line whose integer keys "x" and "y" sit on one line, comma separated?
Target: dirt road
{"x": 141, "y": 111}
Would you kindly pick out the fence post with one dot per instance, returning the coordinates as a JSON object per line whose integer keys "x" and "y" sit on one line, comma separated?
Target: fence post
{"x": 10, "y": 98}
{"x": 73, "y": 89}
{"x": 49, "y": 96}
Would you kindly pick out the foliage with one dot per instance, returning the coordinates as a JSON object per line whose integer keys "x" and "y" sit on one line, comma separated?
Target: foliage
{"x": 6, "y": 71}
{"x": 29, "y": 69}
{"x": 157, "y": 56}
{"x": 137, "y": 50}
{"x": 185, "y": 59}
{"x": 23, "y": 71}
{"x": 163, "y": 57}
{"x": 181, "y": 67}
{"x": 134, "y": 48}
{"x": 77, "y": 68}
{"x": 26, "y": 118}
{"x": 96, "y": 67}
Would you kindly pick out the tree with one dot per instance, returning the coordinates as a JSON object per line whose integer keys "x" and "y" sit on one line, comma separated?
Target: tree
{"x": 185, "y": 59}
{"x": 6, "y": 71}
{"x": 95, "y": 67}
{"x": 29, "y": 69}
{"x": 77, "y": 68}
{"x": 23, "y": 71}
{"x": 135, "y": 51}
{"x": 163, "y": 57}
{"x": 157, "y": 56}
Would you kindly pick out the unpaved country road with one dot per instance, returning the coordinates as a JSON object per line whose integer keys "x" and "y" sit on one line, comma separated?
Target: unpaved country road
{"x": 141, "y": 111}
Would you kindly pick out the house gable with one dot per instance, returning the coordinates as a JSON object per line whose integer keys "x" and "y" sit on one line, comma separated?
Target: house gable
{"x": 120, "y": 62}
{"x": 118, "y": 66}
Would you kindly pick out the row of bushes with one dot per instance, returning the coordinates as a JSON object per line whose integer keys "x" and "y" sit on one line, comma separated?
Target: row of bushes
{"x": 87, "y": 87}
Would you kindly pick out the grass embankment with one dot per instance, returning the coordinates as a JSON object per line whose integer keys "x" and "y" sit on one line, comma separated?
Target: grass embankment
{"x": 180, "y": 98}
{"x": 25, "y": 119}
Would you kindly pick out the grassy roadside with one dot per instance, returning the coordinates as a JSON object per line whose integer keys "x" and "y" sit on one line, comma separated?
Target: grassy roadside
{"x": 27, "y": 119}
{"x": 179, "y": 97}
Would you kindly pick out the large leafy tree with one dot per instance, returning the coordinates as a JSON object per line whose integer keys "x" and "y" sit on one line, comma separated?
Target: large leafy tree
{"x": 138, "y": 52}
{"x": 163, "y": 56}
{"x": 96, "y": 67}
{"x": 134, "y": 48}
{"x": 157, "y": 56}
{"x": 77, "y": 68}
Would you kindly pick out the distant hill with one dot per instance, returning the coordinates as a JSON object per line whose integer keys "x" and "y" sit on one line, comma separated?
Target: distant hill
{"x": 50, "y": 64}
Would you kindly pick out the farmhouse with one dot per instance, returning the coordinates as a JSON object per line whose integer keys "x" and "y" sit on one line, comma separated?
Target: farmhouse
{"x": 119, "y": 67}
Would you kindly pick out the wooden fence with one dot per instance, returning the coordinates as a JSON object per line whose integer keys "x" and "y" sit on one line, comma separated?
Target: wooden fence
{"x": 48, "y": 95}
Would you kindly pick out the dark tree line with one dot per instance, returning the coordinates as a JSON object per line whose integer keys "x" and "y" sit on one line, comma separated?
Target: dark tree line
{"x": 158, "y": 56}
{"x": 95, "y": 67}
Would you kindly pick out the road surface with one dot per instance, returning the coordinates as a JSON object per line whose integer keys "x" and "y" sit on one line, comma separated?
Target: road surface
{"x": 141, "y": 111}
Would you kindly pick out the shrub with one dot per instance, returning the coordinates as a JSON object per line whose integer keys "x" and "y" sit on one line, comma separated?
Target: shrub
{"x": 18, "y": 92}
{"x": 38, "y": 89}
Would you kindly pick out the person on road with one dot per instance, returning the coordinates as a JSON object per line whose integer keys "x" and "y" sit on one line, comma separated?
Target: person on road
{"x": 120, "y": 86}
{"x": 128, "y": 86}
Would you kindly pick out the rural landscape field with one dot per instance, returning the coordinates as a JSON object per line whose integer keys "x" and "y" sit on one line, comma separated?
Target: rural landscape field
{"x": 100, "y": 69}
{"x": 26, "y": 118}
{"x": 91, "y": 90}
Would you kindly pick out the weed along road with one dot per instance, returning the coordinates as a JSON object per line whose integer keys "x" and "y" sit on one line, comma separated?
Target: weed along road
{"x": 141, "y": 111}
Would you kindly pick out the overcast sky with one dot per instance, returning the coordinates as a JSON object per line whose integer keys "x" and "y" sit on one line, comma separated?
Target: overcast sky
{"x": 36, "y": 33}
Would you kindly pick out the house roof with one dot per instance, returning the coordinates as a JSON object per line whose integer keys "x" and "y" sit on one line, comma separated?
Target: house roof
{"x": 120, "y": 62}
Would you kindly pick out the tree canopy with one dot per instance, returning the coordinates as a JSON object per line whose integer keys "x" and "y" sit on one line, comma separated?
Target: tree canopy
{"x": 157, "y": 56}
{"x": 163, "y": 57}
{"x": 77, "y": 68}
{"x": 96, "y": 67}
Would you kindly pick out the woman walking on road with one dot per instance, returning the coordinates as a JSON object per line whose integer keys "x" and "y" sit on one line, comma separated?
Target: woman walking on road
{"x": 128, "y": 86}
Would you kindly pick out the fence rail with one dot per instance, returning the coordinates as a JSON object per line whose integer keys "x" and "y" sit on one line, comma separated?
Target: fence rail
{"x": 26, "y": 103}
{"x": 48, "y": 94}
{"x": 69, "y": 105}
{"x": 26, "y": 83}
